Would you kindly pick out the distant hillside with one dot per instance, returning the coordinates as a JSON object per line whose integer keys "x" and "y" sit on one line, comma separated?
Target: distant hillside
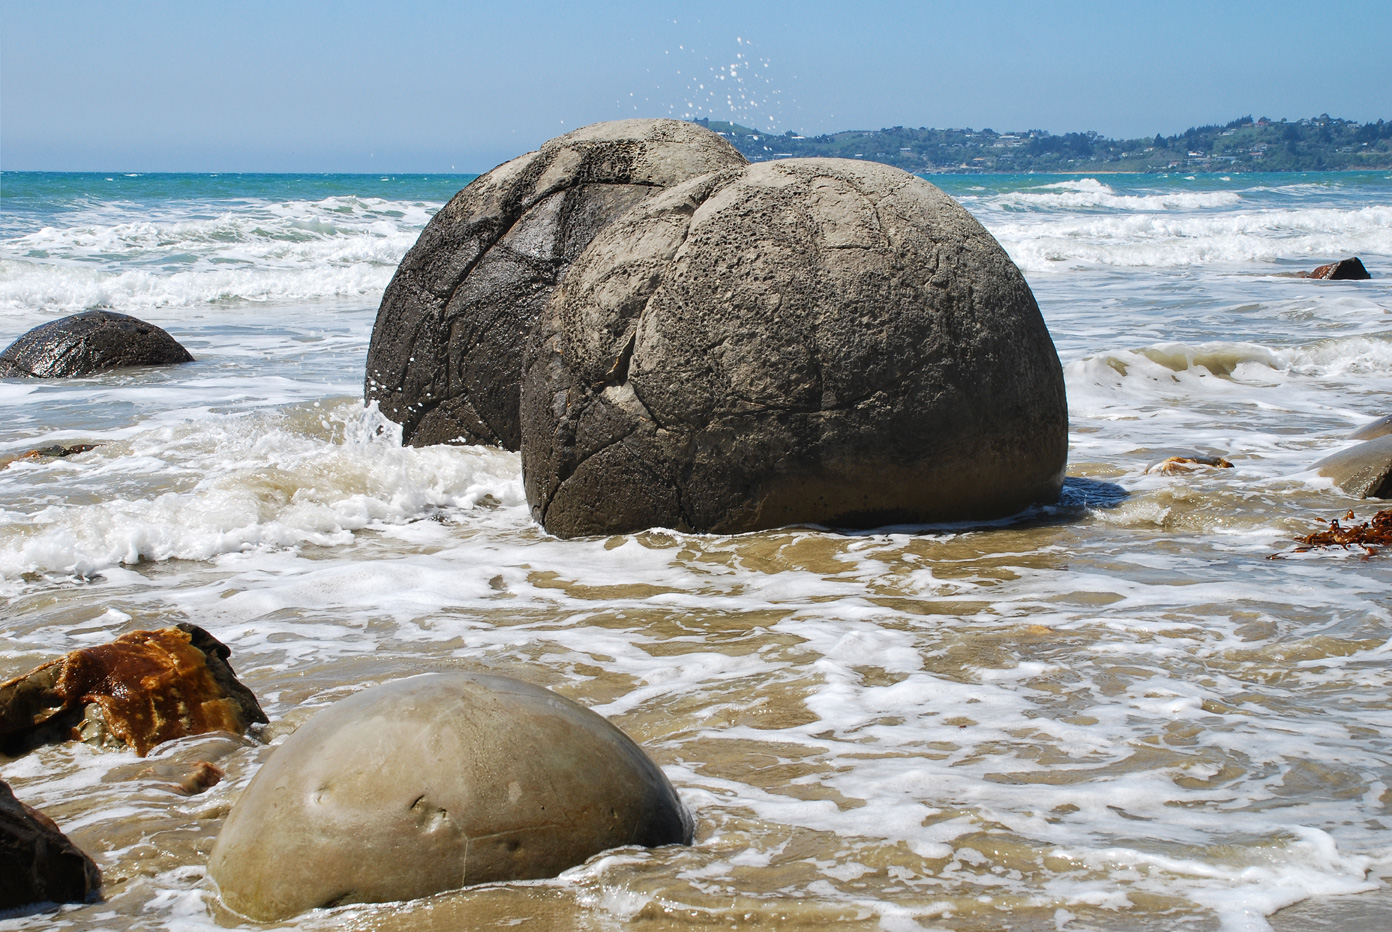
{"x": 1319, "y": 144}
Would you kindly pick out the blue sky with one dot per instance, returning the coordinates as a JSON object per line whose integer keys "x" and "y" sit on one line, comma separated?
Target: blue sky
{"x": 302, "y": 85}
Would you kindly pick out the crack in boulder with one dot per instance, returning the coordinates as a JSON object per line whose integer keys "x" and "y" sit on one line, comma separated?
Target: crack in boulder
{"x": 805, "y": 351}
{"x": 591, "y": 176}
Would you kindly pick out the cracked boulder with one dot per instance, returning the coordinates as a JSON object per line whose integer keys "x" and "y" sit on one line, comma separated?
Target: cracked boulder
{"x": 93, "y": 341}
{"x": 445, "y": 359}
{"x": 142, "y": 689}
{"x": 432, "y": 783}
{"x": 802, "y": 341}
{"x": 38, "y": 864}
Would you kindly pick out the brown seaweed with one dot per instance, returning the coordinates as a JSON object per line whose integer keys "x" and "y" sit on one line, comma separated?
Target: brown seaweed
{"x": 1371, "y": 535}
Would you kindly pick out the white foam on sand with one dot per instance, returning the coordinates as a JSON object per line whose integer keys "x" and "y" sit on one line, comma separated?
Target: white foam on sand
{"x": 227, "y": 484}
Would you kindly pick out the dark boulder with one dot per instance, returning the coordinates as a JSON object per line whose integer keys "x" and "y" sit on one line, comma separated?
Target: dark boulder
{"x": 445, "y": 359}
{"x": 90, "y": 342}
{"x": 803, "y": 341}
{"x": 1364, "y": 471}
{"x": 142, "y": 689}
{"x": 1344, "y": 270}
{"x": 432, "y": 783}
{"x": 38, "y": 864}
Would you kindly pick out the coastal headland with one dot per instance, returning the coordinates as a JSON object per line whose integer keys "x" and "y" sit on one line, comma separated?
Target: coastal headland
{"x": 1321, "y": 143}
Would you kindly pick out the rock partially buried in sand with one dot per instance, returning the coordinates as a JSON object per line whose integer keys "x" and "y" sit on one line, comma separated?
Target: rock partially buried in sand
{"x": 1370, "y": 431}
{"x": 1364, "y": 471}
{"x": 433, "y": 783}
{"x": 446, "y": 354}
{"x": 1350, "y": 269}
{"x": 54, "y": 452}
{"x": 142, "y": 689}
{"x": 38, "y": 864}
{"x": 90, "y": 342}
{"x": 803, "y": 341}
{"x": 1181, "y": 465}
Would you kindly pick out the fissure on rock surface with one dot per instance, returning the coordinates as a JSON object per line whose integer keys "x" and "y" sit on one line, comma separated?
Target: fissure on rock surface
{"x": 812, "y": 341}
{"x": 447, "y": 349}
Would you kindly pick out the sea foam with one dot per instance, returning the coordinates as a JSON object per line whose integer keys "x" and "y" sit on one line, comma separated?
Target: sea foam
{"x": 282, "y": 479}
{"x": 284, "y": 252}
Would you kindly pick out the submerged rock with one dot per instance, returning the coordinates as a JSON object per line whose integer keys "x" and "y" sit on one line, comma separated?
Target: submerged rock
{"x": 445, "y": 359}
{"x": 433, "y": 783}
{"x": 1370, "y": 431}
{"x": 140, "y": 690}
{"x": 89, "y": 342}
{"x": 55, "y": 451}
{"x": 1183, "y": 464}
{"x": 38, "y": 864}
{"x": 1364, "y": 471}
{"x": 810, "y": 340}
{"x": 1350, "y": 269}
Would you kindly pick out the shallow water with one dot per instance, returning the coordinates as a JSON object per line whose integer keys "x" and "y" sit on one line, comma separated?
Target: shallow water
{"x": 1116, "y": 713}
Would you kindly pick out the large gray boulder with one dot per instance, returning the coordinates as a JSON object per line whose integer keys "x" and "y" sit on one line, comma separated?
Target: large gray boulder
{"x": 38, "y": 864}
{"x": 1364, "y": 471}
{"x": 446, "y": 354}
{"x": 93, "y": 341}
{"x": 432, "y": 783}
{"x": 802, "y": 341}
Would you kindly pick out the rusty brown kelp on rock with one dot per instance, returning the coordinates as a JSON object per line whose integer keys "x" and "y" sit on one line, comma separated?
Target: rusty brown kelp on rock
{"x": 142, "y": 689}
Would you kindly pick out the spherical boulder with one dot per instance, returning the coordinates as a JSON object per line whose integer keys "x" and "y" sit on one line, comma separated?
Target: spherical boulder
{"x": 1364, "y": 471}
{"x": 93, "y": 341}
{"x": 1373, "y": 429}
{"x": 445, "y": 359}
{"x": 801, "y": 341}
{"x": 432, "y": 783}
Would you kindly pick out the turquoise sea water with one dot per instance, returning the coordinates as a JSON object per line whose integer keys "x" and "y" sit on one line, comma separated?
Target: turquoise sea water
{"x": 1117, "y": 715}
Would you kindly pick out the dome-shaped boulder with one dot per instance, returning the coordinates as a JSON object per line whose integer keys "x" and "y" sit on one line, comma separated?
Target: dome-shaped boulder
{"x": 432, "y": 783}
{"x": 1373, "y": 429}
{"x": 93, "y": 341}
{"x": 1364, "y": 470}
{"x": 445, "y": 359}
{"x": 802, "y": 341}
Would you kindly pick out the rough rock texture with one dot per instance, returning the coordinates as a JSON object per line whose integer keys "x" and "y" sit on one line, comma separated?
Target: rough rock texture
{"x": 808, "y": 340}
{"x": 1379, "y": 428}
{"x": 1350, "y": 269}
{"x": 446, "y": 352}
{"x": 142, "y": 689}
{"x": 89, "y": 342}
{"x": 1364, "y": 471}
{"x": 432, "y": 783}
{"x": 38, "y": 864}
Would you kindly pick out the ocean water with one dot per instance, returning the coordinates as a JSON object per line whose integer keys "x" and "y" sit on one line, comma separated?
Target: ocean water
{"x": 1118, "y": 713}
